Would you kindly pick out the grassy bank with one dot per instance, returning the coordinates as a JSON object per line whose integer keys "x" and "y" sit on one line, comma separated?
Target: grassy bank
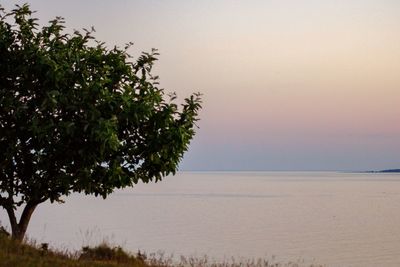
{"x": 38, "y": 255}
{"x": 15, "y": 254}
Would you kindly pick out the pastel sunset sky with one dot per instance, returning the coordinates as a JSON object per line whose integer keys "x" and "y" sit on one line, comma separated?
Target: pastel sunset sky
{"x": 287, "y": 84}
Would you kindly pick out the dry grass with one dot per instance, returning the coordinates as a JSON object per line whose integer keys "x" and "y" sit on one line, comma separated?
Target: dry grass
{"x": 160, "y": 260}
{"x": 37, "y": 255}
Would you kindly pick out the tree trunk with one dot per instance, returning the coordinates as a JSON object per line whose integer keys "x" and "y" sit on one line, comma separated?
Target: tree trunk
{"x": 18, "y": 230}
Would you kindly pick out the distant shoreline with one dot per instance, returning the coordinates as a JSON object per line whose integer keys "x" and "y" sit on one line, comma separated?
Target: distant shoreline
{"x": 395, "y": 172}
{"x": 386, "y": 171}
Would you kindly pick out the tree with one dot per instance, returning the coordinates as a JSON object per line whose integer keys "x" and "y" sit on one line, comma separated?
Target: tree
{"x": 76, "y": 116}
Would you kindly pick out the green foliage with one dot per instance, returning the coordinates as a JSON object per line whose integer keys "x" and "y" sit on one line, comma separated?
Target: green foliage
{"x": 76, "y": 116}
{"x": 104, "y": 252}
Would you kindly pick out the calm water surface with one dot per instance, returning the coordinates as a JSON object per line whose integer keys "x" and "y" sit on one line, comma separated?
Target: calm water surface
{"x": 336, "y": 219}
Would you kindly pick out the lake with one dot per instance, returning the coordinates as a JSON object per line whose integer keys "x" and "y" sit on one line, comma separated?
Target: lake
{"x": 331, "y": 218}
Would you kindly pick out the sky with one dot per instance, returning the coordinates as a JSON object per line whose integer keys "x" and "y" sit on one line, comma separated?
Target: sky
{"x": 287, "y": 84}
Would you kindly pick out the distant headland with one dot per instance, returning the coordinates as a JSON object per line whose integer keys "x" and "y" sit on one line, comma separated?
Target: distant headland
{"x": 387, "y": 171}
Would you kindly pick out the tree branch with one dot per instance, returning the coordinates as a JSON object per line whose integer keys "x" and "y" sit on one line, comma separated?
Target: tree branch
{"x": 11, "y": 216}
{"x": 26, "y": 215}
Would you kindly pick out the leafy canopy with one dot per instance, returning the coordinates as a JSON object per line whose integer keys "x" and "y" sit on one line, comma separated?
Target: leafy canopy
{"x": 76, "y": 116}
